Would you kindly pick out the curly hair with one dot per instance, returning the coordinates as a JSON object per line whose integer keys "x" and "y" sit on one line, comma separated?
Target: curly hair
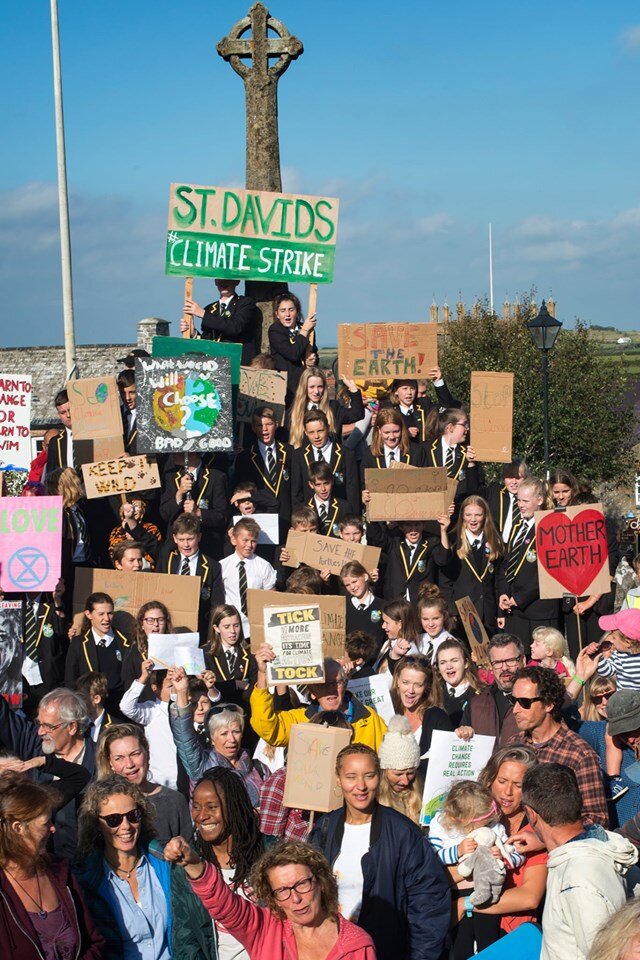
{"x": 90, "y": 836}
{"x": 295, "y": 852}
{"x": 467, "y": 804}
{"x": 550, "y": 687}
{"x": 241, "y": 824}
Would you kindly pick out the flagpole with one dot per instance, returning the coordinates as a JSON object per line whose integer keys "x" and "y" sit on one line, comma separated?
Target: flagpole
{"x": 63, "y": 201}
{"x": 490, "y": 269}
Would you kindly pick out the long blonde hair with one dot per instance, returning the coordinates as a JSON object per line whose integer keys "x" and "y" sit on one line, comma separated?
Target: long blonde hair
{"x": 408, "y": 802}
{"x": 617, "y": 933}
{"x": 594, "y": 688}
{"x": 491, "y": 535}
{"x": 299, "y": 406}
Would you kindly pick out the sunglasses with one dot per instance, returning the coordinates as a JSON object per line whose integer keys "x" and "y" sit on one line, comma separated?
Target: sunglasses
{"x": 114, "y": 820}
{"x": 602, "y": 697}
{"x": 221, "y": 707}
{"x": 525, "y": 702}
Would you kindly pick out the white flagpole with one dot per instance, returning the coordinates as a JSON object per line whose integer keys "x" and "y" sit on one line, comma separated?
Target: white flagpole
{"x": 490, "y": 269}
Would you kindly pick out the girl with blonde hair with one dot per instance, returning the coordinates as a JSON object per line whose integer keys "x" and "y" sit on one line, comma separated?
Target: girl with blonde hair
{"x": 547, "y": 650}
{"x": 313, "y": 393}
{"x": 400, "y": 785}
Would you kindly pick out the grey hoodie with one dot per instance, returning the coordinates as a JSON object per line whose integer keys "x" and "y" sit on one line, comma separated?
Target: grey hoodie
{"x": 585, "y": 886}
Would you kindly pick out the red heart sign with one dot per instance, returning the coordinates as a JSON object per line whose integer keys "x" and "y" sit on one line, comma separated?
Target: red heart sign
{"x": 572, "y": 551}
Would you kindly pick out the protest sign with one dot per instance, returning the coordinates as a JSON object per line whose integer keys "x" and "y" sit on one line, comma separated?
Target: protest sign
{"x": 373, "y": 692}
{"x": 250, "y": 234}
{"x": 571, "y": 548}
{"x": 181, "y": 595}
{"x": 327, "y": 553}
{"x": 166, "y": 649}
{"x": 177, "y": 347}
{"x": 269, "y": 527}
{"x": 385, "y": 351}
{"x": 184, "y": 403}
{"x": 15, "y": 422}
{"x": 296, "y": 637}
{"x": 333, "y": 617}
{"x": 422, "y": 493}
{"x": 11, "y": 651}
{"x": 121, "y": 475}
{"x": 260, "y": 388}
{"x": 451, "y": 759}
{"x": 95, "y": 408}
{"x": 474, "y": 629}
{"x": 491, "y": 416}
{"x": 104, "y": 448}
{"x": 30, "y": 543}
{"x": 310, "y": 782}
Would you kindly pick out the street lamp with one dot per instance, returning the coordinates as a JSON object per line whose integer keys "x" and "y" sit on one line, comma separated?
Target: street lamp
{"x": 544, "y": 330}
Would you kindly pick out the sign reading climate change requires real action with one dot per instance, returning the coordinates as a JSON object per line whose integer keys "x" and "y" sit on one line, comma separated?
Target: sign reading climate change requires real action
{"x": 250, "y": 234}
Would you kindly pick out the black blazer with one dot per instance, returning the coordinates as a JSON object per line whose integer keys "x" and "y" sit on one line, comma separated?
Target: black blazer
{"x": 469, "y": 478}
{"x": 83, "y": 657}
{"x": 337, "y": 509}
{"x": 210, "y": 494}
{"x": 423, "y": 406}
{"x": 399, "y": 575}
{"x": 250, "y": 467}
{"x": 434, "y": 719}
{"x": 53, "y": 643}
{"x": 238, "y": 322}
{"x": 415, "y": 458}
{"x": 474, "y": 577}
{"x": 524, "y": 588}
{"x": 245, "y": 670}
{"x": 211, "y": 586}
{"x": 346, "y": 478}
{"x": 499, "y": 500}
{"x": 288, "y": 350}
{"x": 369, "y": 621}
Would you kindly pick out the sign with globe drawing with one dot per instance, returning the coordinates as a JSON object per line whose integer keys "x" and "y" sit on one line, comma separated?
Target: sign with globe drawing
{"x": 184, "y": 403}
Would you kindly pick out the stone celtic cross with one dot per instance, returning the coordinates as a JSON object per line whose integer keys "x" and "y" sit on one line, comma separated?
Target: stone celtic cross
{"x": 261, "y": 88}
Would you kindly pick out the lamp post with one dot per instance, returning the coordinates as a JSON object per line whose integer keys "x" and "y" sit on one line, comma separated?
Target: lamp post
{"x": 544, "y": 330}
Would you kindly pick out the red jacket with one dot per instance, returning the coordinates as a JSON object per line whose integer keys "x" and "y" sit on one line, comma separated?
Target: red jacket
{"x": 264, "y": 935}
{"x": 18, "y": 938}
{"x": 37, "y": 467}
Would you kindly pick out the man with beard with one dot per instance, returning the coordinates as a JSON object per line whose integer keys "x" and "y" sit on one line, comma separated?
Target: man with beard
{"x": 490, "y": 713}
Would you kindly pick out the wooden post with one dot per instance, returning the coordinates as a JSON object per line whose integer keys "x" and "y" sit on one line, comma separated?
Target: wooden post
{"x": 313, "y": 813}
{"x": 313, "y": 300}
{"x": 188, "y": 295}
{"x": 579, "y": 627}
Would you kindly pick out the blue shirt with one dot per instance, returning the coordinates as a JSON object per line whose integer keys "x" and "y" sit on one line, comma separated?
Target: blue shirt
{"x": 143, "y": 926}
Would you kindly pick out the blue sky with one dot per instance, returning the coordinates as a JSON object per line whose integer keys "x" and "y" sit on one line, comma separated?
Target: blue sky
{"x": 428, "y": 120}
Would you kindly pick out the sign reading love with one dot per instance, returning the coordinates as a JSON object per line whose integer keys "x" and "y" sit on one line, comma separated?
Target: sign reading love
{"x": 572, "y": 552}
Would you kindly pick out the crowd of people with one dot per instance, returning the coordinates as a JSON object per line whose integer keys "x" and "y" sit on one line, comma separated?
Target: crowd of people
{"x": 142, "y": 812}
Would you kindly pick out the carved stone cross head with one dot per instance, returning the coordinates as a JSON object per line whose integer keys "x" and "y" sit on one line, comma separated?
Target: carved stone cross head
{"x": 260, "y": 47}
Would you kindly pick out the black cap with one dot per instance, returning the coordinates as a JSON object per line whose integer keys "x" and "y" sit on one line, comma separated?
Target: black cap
{"x": 130, "y": 359}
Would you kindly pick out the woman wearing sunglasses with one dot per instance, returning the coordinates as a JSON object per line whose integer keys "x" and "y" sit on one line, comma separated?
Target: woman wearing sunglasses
{"x": 300, "y": 914}
{"x": 225, "y": 722}
{"x": 131, "y": 894}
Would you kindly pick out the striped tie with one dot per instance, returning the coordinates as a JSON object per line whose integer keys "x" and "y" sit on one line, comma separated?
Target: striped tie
{"x": 271, "y": 467}
{"x": 185, "y": 569}
{"x": 30, "y": 631}
{"x": 450, "y": 460}
{"x": 515, "y": 552}
{"x": 242, "y": 584}
{"x": 516, "y": 516}
{"x": 324, "y": 516}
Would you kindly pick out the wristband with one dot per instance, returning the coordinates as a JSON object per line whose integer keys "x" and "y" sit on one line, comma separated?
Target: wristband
{"x": 468, "y": 906}
{"x": 578, "y": 680}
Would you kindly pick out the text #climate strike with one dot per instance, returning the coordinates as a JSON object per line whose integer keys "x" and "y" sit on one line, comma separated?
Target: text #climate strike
{"x": 573, "y": 545}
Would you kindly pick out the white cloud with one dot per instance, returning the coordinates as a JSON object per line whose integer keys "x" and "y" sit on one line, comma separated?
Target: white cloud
{"x": 436, "y": 223}
{"x": 630, "y": 39}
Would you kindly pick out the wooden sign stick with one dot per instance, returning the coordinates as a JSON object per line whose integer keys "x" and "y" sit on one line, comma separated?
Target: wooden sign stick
{"x": 312, "y": 813}
{"x": 313, "y": 300}
{"x": 188, "y": 295}
{"x": 579, "y": 627}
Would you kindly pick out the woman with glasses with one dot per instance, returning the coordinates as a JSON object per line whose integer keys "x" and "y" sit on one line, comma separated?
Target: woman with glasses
{"x": 152, "y": 617}
{"x": 132, "y": 894}
{"x": 42, "y": 912}
{"x": 226, "y": 725}
{"x": 448, "y": 448}
{"x": 300, "y": 917}
{"x": 123, "y": 749}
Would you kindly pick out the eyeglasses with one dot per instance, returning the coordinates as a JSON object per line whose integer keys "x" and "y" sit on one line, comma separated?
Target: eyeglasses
{"x": 114, "y": 820}
{"x": 50, "y": 727}
{"x": 602, "y": 697}
{"x": 221, "y": 707}
{"x": 154, "y": 619}
{"x": 510, "y": 664}
{"x": 462, "y": 423}
{"x": 525, "y": 702}
{"x": 302, "y": 886}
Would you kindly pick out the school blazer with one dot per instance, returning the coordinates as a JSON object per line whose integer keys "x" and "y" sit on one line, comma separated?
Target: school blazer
{"x": 469, "y": 478}
{"x": 399, "y": 574}
{"x": 209, "y": 492}
{"x": 288, "y": 350}
{"x": 211, "y": 585}
{"x": 83, "y": 655}
{"x": 239, "y": 322}
{"x": 524, "y": 588}
{"x": 250, "y": 467}
{"x": 337, "y": 509}
{"x": 346, "y": 480}
{"x": 474, "y": 578}
{"x": 415, "y": 458}
{"x": 57, "y": 452}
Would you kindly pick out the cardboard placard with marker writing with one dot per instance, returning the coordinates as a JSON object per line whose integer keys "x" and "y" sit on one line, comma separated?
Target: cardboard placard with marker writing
{"x": 310, "y": 782}
{"x": 572, "y": 553}
{"x": 491, "y": 416}
{"x": 95, "y": 408}
{"x": 328, "y": 553}
{"x": 385, "y": 351}
{"x": 120, "y": 475}
{"x": 422, "y": 493}
{"x": 261, "y": 388}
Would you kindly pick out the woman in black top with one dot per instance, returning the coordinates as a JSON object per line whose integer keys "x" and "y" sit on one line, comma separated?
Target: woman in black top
{"x": 458, "y": 678}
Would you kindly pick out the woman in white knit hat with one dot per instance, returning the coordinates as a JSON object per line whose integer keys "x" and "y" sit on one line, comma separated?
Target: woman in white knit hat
{"x": 400, "y": 785}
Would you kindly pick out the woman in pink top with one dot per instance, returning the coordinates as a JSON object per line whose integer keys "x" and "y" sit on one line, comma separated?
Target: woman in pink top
{"x": 300, "y": 920}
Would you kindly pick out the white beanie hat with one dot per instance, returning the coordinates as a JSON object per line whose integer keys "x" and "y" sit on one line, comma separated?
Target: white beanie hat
{"x": 399, "y": 749}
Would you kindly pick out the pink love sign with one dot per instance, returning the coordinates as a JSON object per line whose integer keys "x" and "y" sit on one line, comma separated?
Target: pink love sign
{"x": 572, "y": 554}
{"x": 30, "y": 543}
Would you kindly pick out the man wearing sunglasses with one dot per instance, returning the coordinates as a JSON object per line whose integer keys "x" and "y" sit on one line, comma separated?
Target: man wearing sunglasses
{"x": 538, "y": 697}
{"x": 490, "y": 713}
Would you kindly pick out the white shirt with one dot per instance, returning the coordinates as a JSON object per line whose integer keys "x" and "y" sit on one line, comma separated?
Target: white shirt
{"x": 260, "y": 576}
{"x": 224, "y": 303}
{"x": 391, "y": 454}
{"x": 96, "y": 726}
{"x": 70, "y": 456}
{"x": 107, "y": 639}
{"x": 406, "y": 410}
{"x": 367, "y": 600}
{"x": 262, "y": 447}
{"x": 472, "y": 537}
{"x": 508, "y": 521}
{"x": 348, "y": 868}
{"x": 445, "y": 449}
{"x": 325, "y": 451}
{"x": 325, "y": 504}
{"x": 193, "y": 563}
{"x": 154, "y": 716}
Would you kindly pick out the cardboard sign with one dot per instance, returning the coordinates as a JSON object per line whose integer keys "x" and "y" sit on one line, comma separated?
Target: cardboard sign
{"x": 11, "y": 651}
{"x": 310, "y": 782}
{"x": 475, "y": 631}
{"x": 168, "y": 649}
{"x": 328, "y": 553}
{"x": 95, "y": 408}
{"x": 386, "y": 351}
{"x": 296, "y": 637}
{"x": 451, "y": 759}
{"x": 184, "y": 403}
{"x": 419, "y": 494}
{"x": 491, "y": 416}
{"x": 181, "y": 595}
{"x": 104, "y": 448}
{"x": 259, "y": 388}
{"x": 250, "y": 234}
{"x": 177, "y": 347}
{"x": 269, "y": 527}
{"x": 15, "y": 422}
{"x": 374, "y": 692}
{"x": 30, "y": 543}
{"x": 122, "y": 475}
{"x": 333, "y": 617}
{"x": 572, "y": 554}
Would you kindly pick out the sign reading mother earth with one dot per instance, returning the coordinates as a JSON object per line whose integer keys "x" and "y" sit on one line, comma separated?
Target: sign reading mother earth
{"x": 250, "y": 234}
{"x": 184, "y": 403}
{"x": 30, "y": 543}
{"x": 572, "y": 551}
{"x": 384, "y": 351}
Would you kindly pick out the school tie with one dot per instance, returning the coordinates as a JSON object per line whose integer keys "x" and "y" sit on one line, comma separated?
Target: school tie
{"x": 231, "y": 660}
{"x": 319, "y": 456}
{"x": 452, "y": 691}
{"x": 362, "y": 606}
{"x": 515, "y": 511}
{"x": 393, "y": 455}
{"x": 450, "y": 460}
{"x": 185, "y": 569}
{"x": 102, "y": 642}
{"x": 271, "y": 466}
{"x": 30, "y": 631}
{"x": 242, "y": 586}
{"x": 323, "y": 515}
{"x": 515, "y": 552}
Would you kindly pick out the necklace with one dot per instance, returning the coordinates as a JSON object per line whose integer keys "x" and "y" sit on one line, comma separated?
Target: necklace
{"x": 127, "y": 873}
{"x": 42, "y": 913}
